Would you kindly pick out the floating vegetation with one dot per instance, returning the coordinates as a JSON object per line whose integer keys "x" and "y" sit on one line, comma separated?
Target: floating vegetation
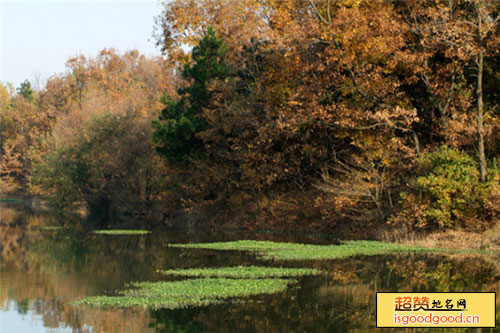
{"x": 243, "y": 272}
{"x": 188, "y": 293}
{"x": 11, "y": 200}
{"x": 46, "y": 227}
{"x": 121, "y": 232}
{"x": 220, "y": 284}
{"x": 290, "y": 251}
{"x": 52, "y": 227}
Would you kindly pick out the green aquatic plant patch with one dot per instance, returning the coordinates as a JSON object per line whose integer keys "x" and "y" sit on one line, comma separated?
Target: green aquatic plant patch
{"x": 47, "y": 227}
{"x": 243, "y": 272}
{"x": 52, "y": 227}
{"x": 187, "y": 293}
{"x": 121, "y": 232}
{"x": 291, "y": 251}
{"x": 11, "y": 200}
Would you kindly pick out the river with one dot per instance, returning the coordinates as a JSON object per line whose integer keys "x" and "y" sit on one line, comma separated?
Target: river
{"x": 47, "y": 262}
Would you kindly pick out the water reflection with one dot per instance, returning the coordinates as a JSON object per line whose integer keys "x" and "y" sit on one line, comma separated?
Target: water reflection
{"x": 42, "y": 270}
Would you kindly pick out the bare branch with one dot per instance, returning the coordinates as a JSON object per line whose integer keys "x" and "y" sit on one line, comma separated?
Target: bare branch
{"x": 318, "y": 13}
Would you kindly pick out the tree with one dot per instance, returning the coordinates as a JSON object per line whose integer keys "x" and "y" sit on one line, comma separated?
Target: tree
{"x": 179, "y": 123}
{"x": 25, "y": 90}
{"x": 97, "y": 153}
{"x": 463, "y": 32}
{"x": 310, "y": 90}
{"x": 22, "y": 124}
{"x": 106, "y": 166}
{"x": 484, "y": 26}
{"x": 184, "y": 22}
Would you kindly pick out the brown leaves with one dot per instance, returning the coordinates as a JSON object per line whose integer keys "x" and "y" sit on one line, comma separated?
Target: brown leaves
{"x": 183, "y": 22}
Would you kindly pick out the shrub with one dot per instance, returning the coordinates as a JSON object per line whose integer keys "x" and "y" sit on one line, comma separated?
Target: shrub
{"x": 449, "y": 194}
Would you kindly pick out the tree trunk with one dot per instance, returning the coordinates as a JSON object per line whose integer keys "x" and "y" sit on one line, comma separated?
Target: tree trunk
{"x": 483, "y": 172}
{"x": 415, "y": 140}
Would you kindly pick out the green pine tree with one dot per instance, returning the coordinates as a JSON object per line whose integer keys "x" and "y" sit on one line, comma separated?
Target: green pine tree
{"x": 180, "y": 121}
{"x": 25, "y": 90}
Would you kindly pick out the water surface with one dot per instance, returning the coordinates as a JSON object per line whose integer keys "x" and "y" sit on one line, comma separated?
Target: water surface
{"x": 44, "y": 269}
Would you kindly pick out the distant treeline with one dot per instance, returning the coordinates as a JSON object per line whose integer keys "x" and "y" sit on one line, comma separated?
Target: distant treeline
{"x": 302, "y": 114}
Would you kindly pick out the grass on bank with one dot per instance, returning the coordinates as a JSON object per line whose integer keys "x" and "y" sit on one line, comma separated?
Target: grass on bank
{"x": 187, "y": 293}
{"x": 243, "y": 272}
{"x": 290, "y": 251}
{"x": 121, "y": 232}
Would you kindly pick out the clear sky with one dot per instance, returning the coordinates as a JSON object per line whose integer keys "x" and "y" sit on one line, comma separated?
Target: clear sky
{"x": 39, "y": 36}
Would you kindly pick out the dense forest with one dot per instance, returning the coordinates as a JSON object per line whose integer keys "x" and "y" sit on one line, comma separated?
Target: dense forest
{"x": 321, "y": 115}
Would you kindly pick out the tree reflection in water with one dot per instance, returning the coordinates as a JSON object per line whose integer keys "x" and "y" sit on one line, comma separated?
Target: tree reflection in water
{"x": 43, "y": 269}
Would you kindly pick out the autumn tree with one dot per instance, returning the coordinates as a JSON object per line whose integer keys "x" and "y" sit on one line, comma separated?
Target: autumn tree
{"x": 184, "y": 22}
{"x": 106, "y": 167}
{"x": 456, "y": 36}
{"x": 482, "y": 29}
{"x": 98, "y": 154}
{"x": 316, "y": 110}
{"x": 22, "y": 124}
{"x": 301, "y": 97}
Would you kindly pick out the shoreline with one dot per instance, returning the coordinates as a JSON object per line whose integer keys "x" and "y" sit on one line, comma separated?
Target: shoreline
{"x": 488, "y": 240}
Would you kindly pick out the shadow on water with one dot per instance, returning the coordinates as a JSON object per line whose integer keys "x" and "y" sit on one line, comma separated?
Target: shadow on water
{"x": 44, "y": 269}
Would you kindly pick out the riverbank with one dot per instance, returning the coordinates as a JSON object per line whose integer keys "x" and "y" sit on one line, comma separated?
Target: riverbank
{"x": 488, "y": 240}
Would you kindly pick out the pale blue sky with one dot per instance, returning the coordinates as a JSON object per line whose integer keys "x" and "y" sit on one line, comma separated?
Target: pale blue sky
{"x": 38, "y": 37}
